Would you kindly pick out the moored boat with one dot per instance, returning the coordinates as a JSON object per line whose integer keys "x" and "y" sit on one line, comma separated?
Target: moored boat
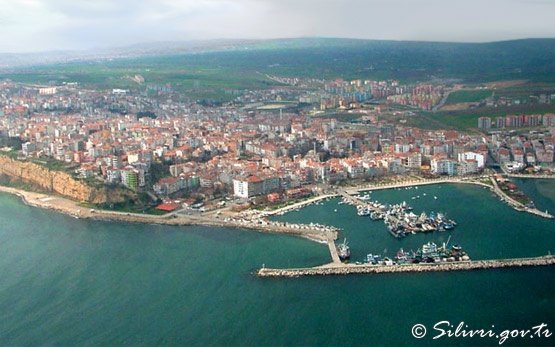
{"x": 343, "y": 250}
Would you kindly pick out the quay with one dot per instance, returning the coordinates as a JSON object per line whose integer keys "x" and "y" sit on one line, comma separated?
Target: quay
{"x": 298, "y": 205}
{"x": 419, "y": 182}
{"x": 352, "y": 269}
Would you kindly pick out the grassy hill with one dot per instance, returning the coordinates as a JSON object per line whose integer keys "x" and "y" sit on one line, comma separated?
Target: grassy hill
{"x": 242, "y": 66}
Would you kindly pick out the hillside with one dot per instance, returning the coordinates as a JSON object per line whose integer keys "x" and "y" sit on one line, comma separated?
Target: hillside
{"x": 241, "y": 64}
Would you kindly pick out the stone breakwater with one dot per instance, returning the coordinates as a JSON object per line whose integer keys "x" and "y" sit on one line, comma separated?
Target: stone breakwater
{"x": 348, "y": 269}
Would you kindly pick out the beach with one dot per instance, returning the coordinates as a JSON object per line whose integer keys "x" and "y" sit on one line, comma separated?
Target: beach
{"x": 247, "y": 221}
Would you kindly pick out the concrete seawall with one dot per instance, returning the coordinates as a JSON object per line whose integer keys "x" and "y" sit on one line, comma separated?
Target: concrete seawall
{"x": 348, "y": 269}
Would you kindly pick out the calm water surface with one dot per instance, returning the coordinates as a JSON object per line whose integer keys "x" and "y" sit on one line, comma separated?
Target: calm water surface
{"x": 65, "y": 281}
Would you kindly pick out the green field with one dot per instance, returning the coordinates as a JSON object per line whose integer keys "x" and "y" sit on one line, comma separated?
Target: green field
{"x": 195, "y": 81}
{"x": 525, "y": 90}
{"x": 468, "y": 96}
{"x": 340, "y": 116}
{"x": 214, "y": 74}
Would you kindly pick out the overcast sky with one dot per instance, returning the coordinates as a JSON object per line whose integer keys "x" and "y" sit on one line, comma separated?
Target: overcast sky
{"x": 39, "y": 25}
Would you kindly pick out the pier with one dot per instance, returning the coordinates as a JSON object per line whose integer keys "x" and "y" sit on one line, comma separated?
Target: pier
{"x": 333, "y": 252}
{"x": 350, "y": 269}
{"x": 517, "y": 205}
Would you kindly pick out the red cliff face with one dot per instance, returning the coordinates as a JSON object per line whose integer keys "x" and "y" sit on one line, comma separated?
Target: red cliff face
{"x": 60, "y": 182}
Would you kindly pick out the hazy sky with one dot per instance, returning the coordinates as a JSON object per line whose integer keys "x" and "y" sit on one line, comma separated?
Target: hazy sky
{"x": 38, "y": 25}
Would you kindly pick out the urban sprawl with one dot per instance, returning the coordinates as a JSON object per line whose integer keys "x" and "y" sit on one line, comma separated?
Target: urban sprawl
{"x": 273, "y": 144}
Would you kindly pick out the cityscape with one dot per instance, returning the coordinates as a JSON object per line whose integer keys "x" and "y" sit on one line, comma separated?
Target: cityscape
{"x": 211, "y": 176}
{"x": 257, "y": 144}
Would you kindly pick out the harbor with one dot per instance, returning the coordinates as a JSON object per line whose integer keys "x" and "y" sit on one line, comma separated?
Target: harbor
{"x": 399, "y": 218}
{"x": 334, "y": 269}
{"x": 178, "y": 260}
{"x": 360, "y": 217}
{"x": 477, "y": 180}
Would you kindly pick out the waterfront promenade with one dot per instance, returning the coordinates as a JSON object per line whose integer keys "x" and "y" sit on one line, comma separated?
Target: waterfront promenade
{"x": 417, "y": 182}
{"x": 530, "y": 176}
{"x": 351, "y": 269}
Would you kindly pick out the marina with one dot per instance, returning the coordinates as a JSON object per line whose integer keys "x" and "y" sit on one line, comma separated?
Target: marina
{"x": 477, "y": 180}
{"x": 399, "y": 219}
{"x": 428, "y": 256}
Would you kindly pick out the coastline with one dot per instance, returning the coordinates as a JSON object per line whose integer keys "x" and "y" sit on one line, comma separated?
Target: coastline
{"x": 254, "y": 222}
{"x": 71, "y": 208}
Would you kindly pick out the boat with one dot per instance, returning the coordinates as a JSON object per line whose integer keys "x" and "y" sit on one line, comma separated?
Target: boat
{"x": 401, "y": 256}
{"x": 363, "y": 212}
{"x": 372, "y": 258}
{"x": 343, "y": 250}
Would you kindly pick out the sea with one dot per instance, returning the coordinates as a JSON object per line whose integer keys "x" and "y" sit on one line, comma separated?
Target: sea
{"x": 66, "y": 281}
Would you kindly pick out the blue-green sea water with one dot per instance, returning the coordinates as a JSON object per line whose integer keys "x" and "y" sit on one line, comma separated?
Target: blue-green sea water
{"x": 65, "y": 281}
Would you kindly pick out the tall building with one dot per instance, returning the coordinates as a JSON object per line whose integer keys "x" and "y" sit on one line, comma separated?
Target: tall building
{"x": 479, "y": 158}
{"x": 444, "y": 167}
{"x": 484, "y": 123}
{"x": 130, "y": 178}
{"x": 254, "y": 185}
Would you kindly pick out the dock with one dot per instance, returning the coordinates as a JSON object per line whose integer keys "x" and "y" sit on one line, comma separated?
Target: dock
{"x": 334, "y": 269}
{"x": 517, "y": 205}
{"x": 333, "y": 251}
{"x": 356, "y": 201}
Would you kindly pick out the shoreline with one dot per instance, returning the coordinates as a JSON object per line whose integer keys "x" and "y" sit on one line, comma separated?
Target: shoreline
{"x": 314, "y": 233}
{"x": 71, "y": 208}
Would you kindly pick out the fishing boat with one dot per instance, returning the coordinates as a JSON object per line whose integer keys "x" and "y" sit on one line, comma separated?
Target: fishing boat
{"x": 343, "y": 250}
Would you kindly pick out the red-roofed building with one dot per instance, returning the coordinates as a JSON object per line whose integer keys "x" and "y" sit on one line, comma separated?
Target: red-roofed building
{"x": 168, "y": 207}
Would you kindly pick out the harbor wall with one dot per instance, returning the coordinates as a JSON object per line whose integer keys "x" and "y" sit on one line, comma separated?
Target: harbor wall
{"x": 348, "y": 269}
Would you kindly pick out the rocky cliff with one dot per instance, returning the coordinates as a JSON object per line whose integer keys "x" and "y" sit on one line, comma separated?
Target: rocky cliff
{"x": 60, "y": 182}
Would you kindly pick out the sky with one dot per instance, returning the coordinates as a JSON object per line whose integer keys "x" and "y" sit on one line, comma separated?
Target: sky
{"x": 46, "y": 25}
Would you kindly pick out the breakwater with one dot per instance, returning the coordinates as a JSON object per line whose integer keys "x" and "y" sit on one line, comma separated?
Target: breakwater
{"x": 349, "y": 269}
{"x": 517, "y": 205}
